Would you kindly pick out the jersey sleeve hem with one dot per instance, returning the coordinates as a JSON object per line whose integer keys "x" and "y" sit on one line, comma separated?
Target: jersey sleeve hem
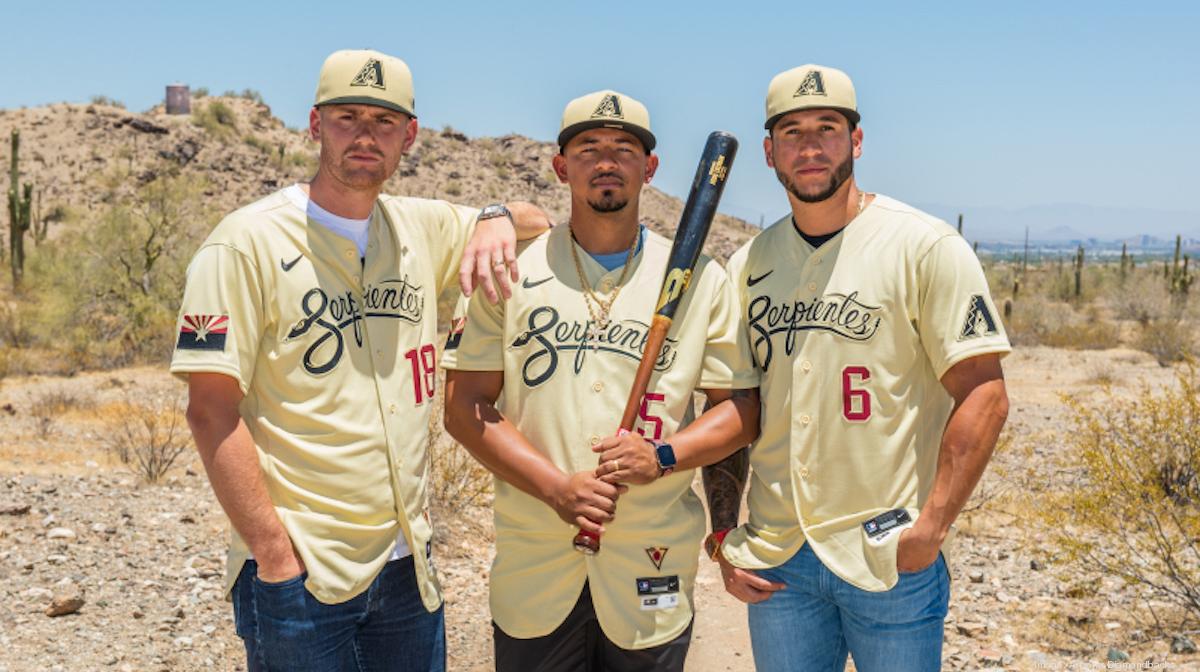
{"x": 1002, "y": 349}
{"x": 739, "y": 381}
{"x": 474, "y": 365}
{"x": 182, "y": 370}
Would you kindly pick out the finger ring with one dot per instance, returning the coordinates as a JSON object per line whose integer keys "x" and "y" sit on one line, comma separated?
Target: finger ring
{"x": 616, "y": 465}
{"x": 500, "y": 264}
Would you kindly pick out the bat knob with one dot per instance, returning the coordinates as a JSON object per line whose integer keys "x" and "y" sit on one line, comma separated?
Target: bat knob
{"x": 587, "y": 543}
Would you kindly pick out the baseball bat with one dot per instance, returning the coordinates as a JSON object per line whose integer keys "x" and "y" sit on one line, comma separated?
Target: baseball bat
{"x": 694, "y": 223}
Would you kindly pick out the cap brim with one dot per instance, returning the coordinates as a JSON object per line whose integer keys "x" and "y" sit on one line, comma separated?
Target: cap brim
{"x": 646, "y": 137}
{"x": 850, "y": 114}
{"x": 366, "y": 100}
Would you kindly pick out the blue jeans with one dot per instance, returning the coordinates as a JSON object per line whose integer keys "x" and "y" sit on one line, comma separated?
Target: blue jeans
{"x": 819, "y": 618}
{"x": 385, "y": 627}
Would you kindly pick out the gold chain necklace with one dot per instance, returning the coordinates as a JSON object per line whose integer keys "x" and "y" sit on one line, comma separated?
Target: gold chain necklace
{"x": 599, "y": 312}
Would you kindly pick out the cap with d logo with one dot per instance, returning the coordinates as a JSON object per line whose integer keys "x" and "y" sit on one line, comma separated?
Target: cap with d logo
{"x": 810, "y": 87}
{"x": 366, "y": 77}
{"x": 606, "y": 109}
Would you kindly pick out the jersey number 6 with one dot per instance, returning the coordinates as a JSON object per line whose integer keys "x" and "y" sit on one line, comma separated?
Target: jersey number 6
{"x": 856, "y": 403}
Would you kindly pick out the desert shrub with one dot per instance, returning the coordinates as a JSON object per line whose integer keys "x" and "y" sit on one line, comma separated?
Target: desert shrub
{"x": 1129, "y": 505}
{"x": 1036, "y": 321}
{"x": 453, "y": 189}
{"x": 108, "y": 294}
{"x": 258, "y": 143}
{"x": 251, "y": 95}
{"x": 1093, "y": 332}
{"x": 305, "y": 161}
{"x": 215, "y": 117}
{"x": 149, "y": 438}
{"x": 456, "y": 480}
{"x": 49, "y": 406}
{"x": 1143, "y": 298}
{"x": 200, "y": 92}
{"x": 105, "y": 100}
{"x": 1169, "y": 340}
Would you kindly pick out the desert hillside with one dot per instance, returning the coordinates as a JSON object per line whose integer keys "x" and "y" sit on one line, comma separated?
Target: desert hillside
{"x": 241, "y": 152}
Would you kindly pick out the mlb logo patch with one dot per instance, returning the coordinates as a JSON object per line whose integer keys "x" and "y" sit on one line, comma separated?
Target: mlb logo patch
{"x": 203, "y": 332}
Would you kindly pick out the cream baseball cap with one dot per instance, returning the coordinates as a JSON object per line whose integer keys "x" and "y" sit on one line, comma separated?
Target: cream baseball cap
{"x": 810, "y": 87}
{"x": 606, "y": 109}
{"x": 366, "y": 77}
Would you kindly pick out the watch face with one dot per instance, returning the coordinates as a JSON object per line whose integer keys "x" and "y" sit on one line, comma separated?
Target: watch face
{"x": 666, "y": 455}
{"x": 493, "y": 210}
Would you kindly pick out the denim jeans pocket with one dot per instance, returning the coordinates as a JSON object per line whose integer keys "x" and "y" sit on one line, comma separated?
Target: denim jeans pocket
{"x": 286, "y": 583}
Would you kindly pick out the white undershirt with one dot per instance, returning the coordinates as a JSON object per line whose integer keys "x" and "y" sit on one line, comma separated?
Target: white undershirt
{"x": 357, "y": 230}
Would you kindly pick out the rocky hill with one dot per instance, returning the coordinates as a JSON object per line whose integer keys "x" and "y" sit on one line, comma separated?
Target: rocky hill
{"x": 243, "y": 152}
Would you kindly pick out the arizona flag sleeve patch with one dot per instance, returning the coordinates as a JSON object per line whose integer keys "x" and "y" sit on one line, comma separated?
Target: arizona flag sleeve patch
{"x": 202, "y": 332}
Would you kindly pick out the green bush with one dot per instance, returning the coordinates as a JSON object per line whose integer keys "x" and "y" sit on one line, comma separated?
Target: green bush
{"x": 106, "y": 293}
{"x": 105, "y": 100}
{"x": 215, "y": 117}
{"x": 1129, "y": 504}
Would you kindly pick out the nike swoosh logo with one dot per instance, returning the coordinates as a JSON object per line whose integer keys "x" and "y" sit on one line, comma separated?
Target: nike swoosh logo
{"x": 287, "y": 265}
{"x": 752, "y": 281}
{"x": 527, "y": 284}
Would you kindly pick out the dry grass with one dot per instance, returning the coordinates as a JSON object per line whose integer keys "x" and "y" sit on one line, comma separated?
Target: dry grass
{"x": 148, "y": 438}
{"x": 48, "y": 407}
{"x": 1124, "y": 504}
{"x": 456, "y": 480}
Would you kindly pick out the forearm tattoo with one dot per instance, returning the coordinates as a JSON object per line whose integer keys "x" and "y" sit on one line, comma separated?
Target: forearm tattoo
{"x": 723, "y": 485}
{"x": 724, "y": 482}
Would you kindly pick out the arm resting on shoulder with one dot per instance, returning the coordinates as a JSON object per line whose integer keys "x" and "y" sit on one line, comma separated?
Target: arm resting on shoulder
{"x": 492, "y": 250}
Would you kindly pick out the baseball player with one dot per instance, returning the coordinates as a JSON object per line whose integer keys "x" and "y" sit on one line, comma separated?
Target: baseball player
{"x": 563, "y": 351}
{"x": 883, "y": 396}
{"x": 306, "y": 336}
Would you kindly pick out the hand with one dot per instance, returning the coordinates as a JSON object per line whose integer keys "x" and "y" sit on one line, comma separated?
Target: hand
{"x": 633, "y": 454}
{"x": 280, "y": 565}
{"x": 585, "y": 500}
{"x": 917, "y": 549}
{"x": 744, "y": 584}
{"x": 492, "y": 251}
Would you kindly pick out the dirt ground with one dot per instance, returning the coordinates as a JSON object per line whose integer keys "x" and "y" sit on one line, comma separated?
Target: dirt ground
{"x": 147, "y": 559}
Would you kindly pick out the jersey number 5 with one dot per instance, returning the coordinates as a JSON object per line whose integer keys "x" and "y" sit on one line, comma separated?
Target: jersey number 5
{"x": 856, "y": 403}
{"x": 424, "y": 371}
{"x": 652, "y": 425}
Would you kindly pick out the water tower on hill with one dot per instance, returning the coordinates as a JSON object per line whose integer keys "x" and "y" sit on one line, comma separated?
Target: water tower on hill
{"x": 179, "y": 99}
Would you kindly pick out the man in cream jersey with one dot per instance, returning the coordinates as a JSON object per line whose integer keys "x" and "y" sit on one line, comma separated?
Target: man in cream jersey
{"x": 306, "y": 335}
{"x": 882, "y": 394}
{"x": 563, "y": 350}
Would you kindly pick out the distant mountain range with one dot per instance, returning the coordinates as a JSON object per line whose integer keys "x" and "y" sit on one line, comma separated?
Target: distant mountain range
{"x": 1070, "y": 221}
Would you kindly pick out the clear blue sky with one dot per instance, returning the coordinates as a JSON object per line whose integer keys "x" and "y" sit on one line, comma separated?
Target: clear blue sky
{"x": 964, "y": 104}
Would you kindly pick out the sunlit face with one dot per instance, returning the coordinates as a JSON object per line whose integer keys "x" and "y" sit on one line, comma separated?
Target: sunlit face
{"x": 813, "y": 152}
{"x": 606, "y": 167}
{"x": 361, "y": 145}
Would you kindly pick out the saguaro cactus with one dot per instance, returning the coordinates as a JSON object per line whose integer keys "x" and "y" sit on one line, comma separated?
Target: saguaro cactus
{"x": 1179, "y": 278}
{"x": 20, "y": 211}
{"x": 1079, "y": 272}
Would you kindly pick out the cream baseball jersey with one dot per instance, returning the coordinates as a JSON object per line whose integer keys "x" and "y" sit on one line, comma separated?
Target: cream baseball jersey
{"x": 852, "y": 339}
{"x": 336, "y": 356}
{"x": 564, "y": 392}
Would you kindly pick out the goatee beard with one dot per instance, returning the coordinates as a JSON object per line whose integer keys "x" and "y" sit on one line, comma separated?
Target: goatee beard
{"x": 607, "y": 203}
{"x": 842, "y": 173}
